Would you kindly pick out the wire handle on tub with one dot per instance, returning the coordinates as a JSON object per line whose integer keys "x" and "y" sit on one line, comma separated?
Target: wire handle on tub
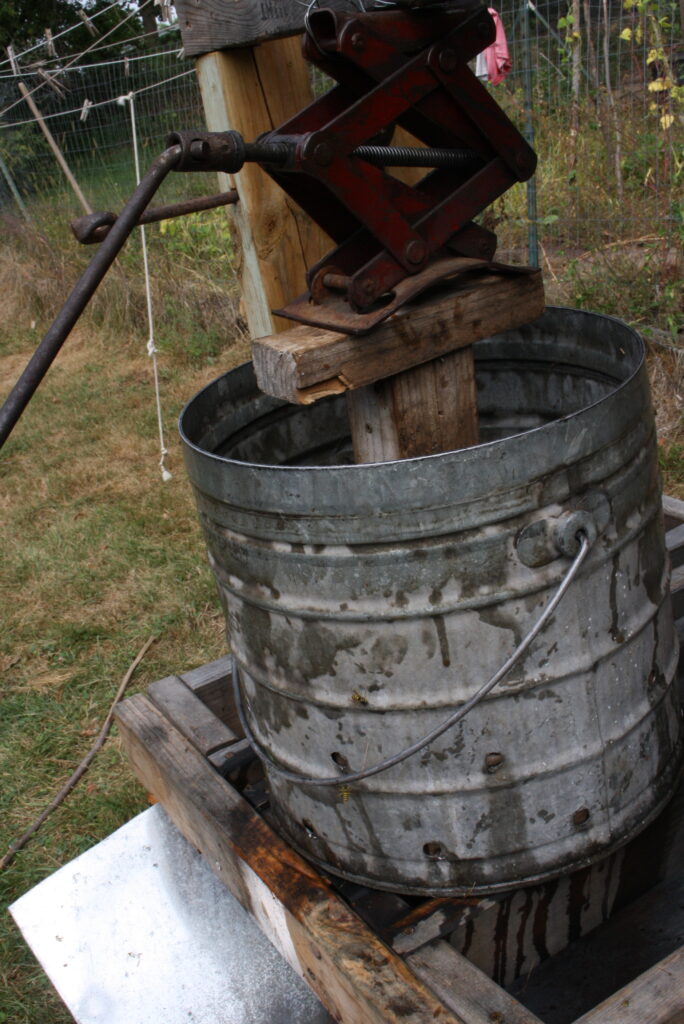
{"x": 585, "y": 544}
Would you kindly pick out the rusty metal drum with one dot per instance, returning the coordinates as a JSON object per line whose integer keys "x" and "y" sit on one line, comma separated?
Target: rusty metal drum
{"x": 365, "y": 603}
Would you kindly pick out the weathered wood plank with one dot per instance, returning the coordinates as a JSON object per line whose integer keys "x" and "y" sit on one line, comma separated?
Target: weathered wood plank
{"x": 428, "y": 409}
{"x": 306, "y": 363}
{"x": 465, "y": 989}
{"x": 208, "y": 25}
{"x": 357, "y": 978}
{"x": 252, "y": 93}
{"x": 673, "y": 509}
{"x": 677, "y": 590}
{"x": 655, "y": 997}
{"x": 190, "y": 715}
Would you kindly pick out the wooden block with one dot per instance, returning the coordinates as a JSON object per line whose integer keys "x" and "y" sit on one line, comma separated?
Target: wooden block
{"x": 428, "y": 409}
{"x": 307, "y": 363}
{"x": 355, "y": 975}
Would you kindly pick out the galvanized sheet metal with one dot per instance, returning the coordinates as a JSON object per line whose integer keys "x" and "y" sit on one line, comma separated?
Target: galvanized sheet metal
{"x": 365, "y": 603}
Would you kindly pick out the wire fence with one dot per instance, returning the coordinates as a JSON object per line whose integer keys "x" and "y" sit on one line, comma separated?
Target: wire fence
{"x": 597, "y": 86}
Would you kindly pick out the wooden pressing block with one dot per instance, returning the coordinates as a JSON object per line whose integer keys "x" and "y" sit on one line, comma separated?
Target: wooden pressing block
{"x": 411, "y": 380}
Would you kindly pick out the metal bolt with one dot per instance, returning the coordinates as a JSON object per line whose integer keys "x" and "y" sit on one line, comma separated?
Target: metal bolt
{"x": 368, "y": 287}
{"x": 323, "y": 154}
{"x": 493, "y": 762}
{"x": 415, "y": 251}
{"x": 581, "y": 816}
{"x": 199, "y": 149}
{"x": 340, "y": 283}
{"x": 358, "y": 41}
{"x": 448, "y": 60}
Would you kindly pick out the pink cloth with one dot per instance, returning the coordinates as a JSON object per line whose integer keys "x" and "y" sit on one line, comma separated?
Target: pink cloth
{"x": 496, "y": 55}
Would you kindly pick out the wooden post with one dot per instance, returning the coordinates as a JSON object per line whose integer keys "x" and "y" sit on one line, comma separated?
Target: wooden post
{"x": 55, "y": 148}
{"x": 252, "y": 90}
{"x": 252, "y": 77}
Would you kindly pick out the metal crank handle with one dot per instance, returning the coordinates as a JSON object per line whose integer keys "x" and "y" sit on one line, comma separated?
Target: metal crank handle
{"x": 82, "y": 292}
{"x": 584, "y": 544}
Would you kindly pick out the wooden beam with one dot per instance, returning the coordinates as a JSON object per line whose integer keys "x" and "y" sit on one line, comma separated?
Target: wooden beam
{"x": 304, "y": 363}
{"x": 208, "y": 25}
{"x": 253, "y": 91}
{"x": 355, "y": 975}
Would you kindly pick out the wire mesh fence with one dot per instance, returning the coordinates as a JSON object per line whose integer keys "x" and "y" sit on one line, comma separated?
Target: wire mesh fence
{"x": 598, "y": 86}
{"x": 85, "y": 109}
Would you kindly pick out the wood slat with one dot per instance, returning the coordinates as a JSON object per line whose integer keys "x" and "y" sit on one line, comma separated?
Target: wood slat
{"x": 355, "y": 975}
{"x": 187, "y": 712}
{"x": 208, "y": 25}
{"x": 305, "y": 363}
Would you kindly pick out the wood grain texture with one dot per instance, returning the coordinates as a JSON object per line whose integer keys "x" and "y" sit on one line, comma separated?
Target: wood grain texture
{"x": 428, "y": 409}
{"x": 252, "y": 94}
{"x": 305, "y": 363}
{"x": 465, "y": 989}
{"x": 357, "y": 978}
{"x": 213, "y": 684}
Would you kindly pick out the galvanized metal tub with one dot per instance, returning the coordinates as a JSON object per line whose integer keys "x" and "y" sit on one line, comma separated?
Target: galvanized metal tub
{"x": 365, "y": 603}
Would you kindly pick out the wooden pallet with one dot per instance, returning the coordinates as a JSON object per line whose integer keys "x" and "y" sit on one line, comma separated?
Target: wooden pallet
{"x": 379, "y": 957}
